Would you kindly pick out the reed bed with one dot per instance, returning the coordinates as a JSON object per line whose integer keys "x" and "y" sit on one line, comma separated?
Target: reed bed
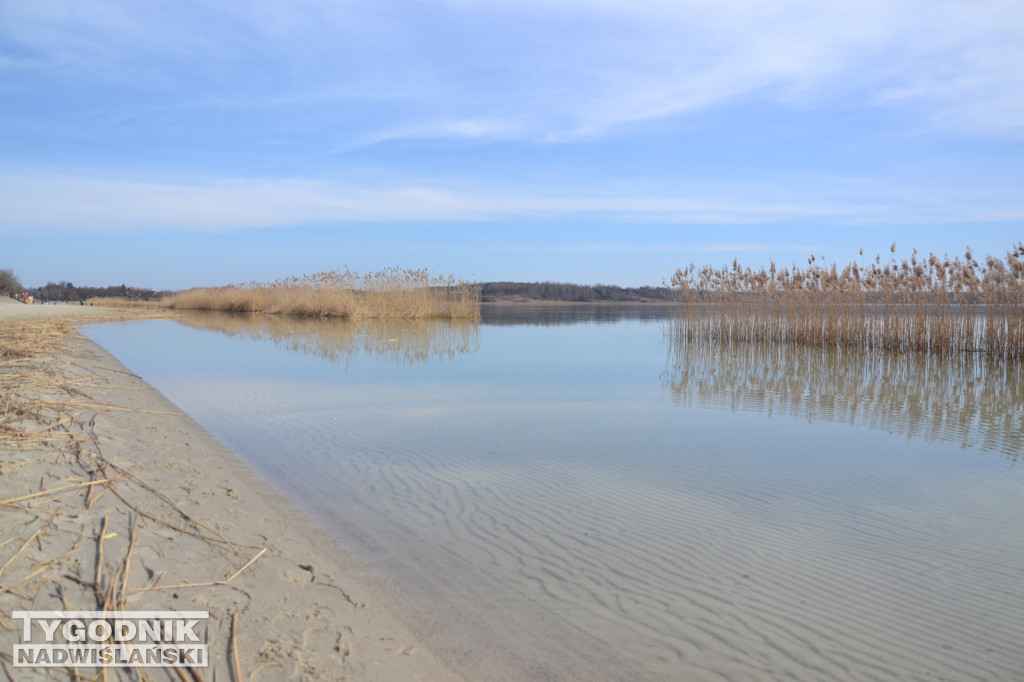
{"x": 392, "y": 293}
{"x": 931, "y": 304}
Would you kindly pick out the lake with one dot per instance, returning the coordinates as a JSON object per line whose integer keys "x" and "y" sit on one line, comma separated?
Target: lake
{"x": 573, "y": 493}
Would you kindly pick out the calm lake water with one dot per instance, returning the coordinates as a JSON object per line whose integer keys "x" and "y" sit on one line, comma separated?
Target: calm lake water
{"x": 568, "y": 493}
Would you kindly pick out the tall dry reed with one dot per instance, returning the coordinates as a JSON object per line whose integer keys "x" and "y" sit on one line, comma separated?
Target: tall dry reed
{"x": 391, "y": 293}
{"x": 932, "y": 304}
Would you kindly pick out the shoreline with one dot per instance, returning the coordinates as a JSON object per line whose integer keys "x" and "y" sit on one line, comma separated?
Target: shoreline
{"x": 145, "y": 510}
{"x": 560, "y": 303}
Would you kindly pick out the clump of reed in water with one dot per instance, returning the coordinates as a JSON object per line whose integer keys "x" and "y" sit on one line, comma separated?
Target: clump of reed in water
{"x": 933, "y": 304}
{"x": 392, "y": 293}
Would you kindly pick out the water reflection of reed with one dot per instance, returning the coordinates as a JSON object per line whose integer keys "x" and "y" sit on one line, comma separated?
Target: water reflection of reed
{"x": 400, "y": 342}
{"x": 973, "y": 399}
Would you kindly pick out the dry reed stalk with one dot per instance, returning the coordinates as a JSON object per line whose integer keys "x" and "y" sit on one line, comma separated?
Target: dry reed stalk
{"x": 193, "y": 674}
{"x": 235, "y": 665}
{"x": 66, "y": 554}
{"x": 98, "y": 578}
{"x": 213, "y": 583}
{"x": 10, "y": 501}
{"x": 28, "y": 542}
{"x": 166, "y": 500}
{"x": 132, "y": 533}
{"x": 178, "y": 529}
{"x": 10, "y": 588}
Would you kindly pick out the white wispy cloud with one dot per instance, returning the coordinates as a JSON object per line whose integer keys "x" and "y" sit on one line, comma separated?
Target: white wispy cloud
{"x": 442, "y": 128}
{"x": 89, "y": 203}
{"x": 551, "y": 70}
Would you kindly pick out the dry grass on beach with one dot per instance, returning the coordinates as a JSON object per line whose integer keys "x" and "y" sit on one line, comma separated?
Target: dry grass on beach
{"x": 48, "y": 427}
{"x": 392, "y": 293}
{"x": 933, "y": 304}
{"x": 112, "y": 500}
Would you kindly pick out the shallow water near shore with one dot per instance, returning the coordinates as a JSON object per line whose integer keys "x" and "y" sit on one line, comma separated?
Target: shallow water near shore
{"x": 570, "y": 493}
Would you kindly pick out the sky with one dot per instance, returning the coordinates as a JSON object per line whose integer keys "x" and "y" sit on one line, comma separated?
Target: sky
{"x": 170, "y": 144}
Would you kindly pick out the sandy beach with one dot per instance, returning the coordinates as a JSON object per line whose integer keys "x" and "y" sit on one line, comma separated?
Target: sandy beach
{"x": 112, "y": 499}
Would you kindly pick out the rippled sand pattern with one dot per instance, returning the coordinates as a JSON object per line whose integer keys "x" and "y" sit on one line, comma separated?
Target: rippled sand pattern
{"x": 554, "y": 514}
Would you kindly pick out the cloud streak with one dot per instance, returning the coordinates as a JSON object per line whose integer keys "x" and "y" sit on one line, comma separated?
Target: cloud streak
{"x": 80, "y": 203}
{"x": 645, "y": 249}
{"x": 550, "y": 71}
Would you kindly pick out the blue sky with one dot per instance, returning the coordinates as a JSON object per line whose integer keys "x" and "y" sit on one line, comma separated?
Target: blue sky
{"x": 171, "y": 144}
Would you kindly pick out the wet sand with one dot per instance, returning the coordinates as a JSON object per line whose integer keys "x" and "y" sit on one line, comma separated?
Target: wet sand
{"x": 112, "y": 499}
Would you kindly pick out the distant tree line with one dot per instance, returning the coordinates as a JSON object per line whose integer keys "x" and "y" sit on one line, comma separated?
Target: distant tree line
{"x": 9, "y": 283}
{"x": 66, "y": 291}
{"x": 491, "y": 292}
